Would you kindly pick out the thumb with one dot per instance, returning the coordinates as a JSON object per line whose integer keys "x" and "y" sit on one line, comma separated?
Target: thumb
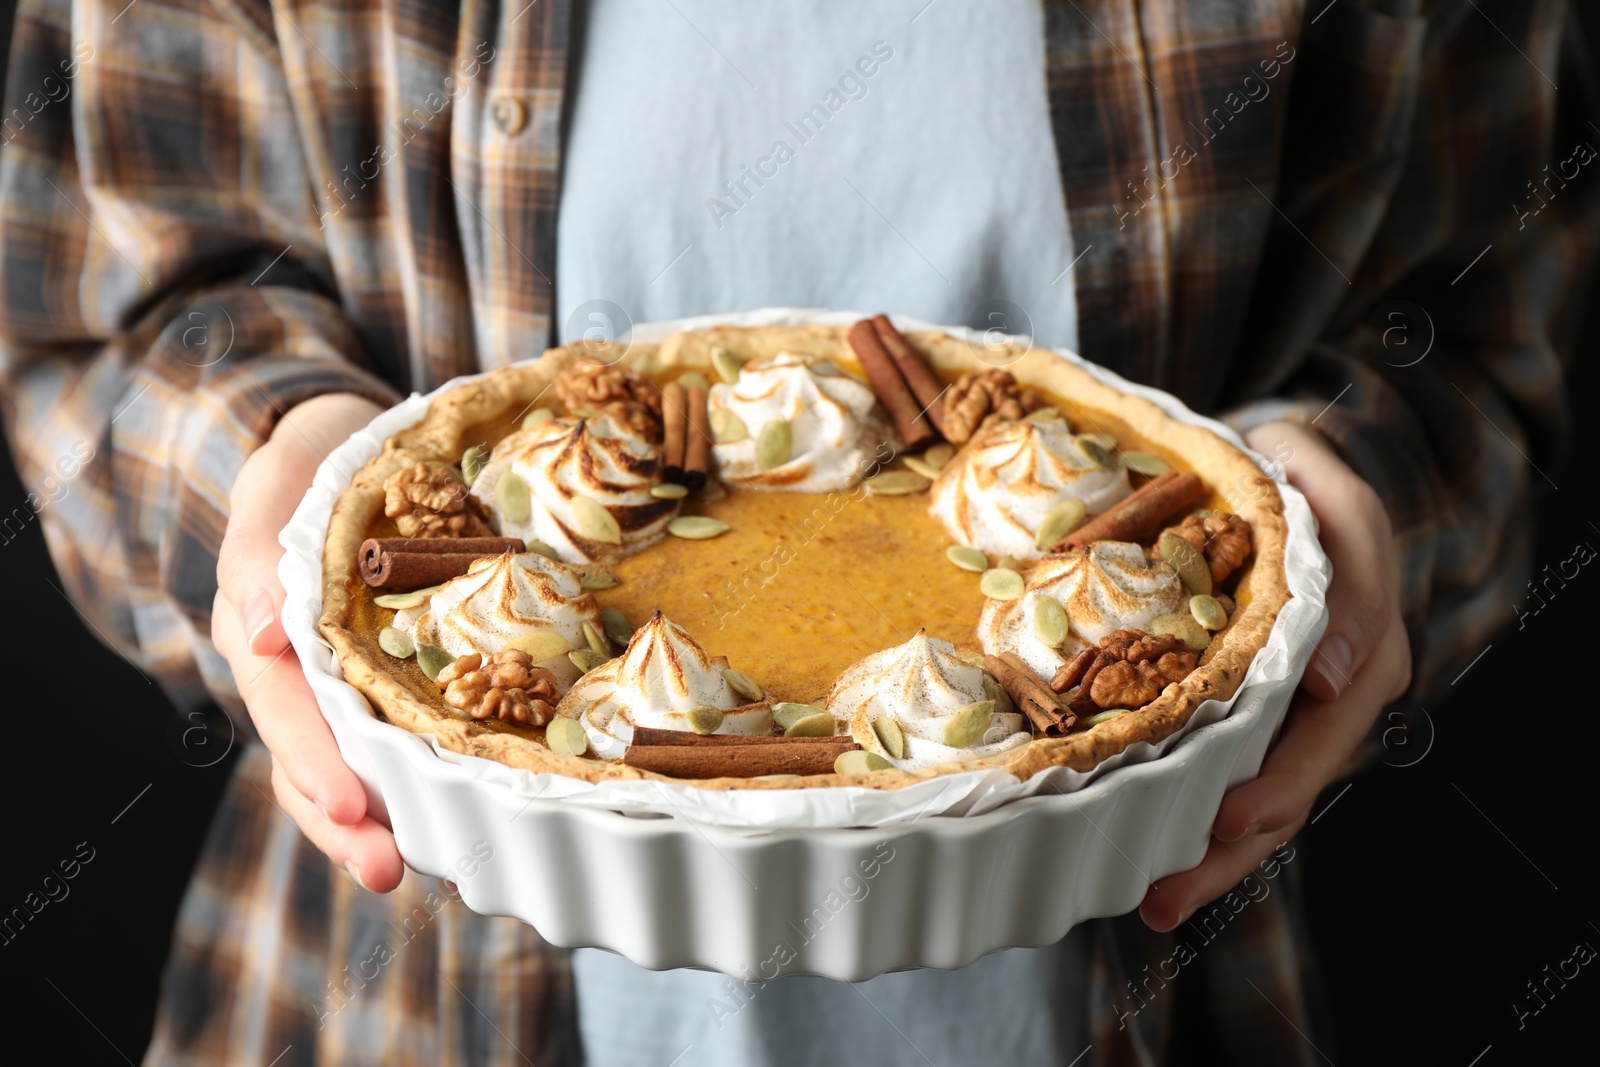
{"x": 265, "y": 493}
{"x": 1356, "y": 535}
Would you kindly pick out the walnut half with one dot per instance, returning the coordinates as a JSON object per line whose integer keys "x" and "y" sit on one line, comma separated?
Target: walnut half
{"x": 1128, "y": 670}
{"x": 1222, "y": 537}
{"x": 981, "y": 398}
{"x": 428, "y": 500}
{"x": 621, "y": 392}
{"x": 507, "y": 687}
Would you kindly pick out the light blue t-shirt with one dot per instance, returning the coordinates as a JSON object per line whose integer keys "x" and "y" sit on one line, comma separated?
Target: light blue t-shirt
{"x": 840, "y": 154}
{"x": 895, "y": 157}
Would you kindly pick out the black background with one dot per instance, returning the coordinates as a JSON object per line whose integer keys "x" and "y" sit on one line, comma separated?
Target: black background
{"x": 1434, "y": 890}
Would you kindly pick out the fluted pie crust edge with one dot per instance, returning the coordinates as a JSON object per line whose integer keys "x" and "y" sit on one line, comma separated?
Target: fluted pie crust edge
{"x": 447, "y": 429}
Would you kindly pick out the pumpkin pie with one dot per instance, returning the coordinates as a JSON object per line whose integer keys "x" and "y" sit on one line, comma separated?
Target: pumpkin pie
{"x": 780, "y": 556}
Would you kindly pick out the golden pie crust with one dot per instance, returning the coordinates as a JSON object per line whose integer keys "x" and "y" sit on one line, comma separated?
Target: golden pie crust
{"x": 488, "y": 408}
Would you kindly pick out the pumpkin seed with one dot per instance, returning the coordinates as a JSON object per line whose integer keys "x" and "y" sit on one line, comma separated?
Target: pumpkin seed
{"x": 696, "y": 527}
{"x": 594, "y": 521}
{"x": 860, "y": 761}
{"x": 742, "y": 684}
{"x": 616, "y": 626}
{"x": 1059, "y": 521}
{"x": 996, "y": 692}
{"x": 940, "y": 455}
{"x": 726, "y": 364}
{"x": 1208, "y": 612}
{"x": 1049, "y": 620}
{"x": 396, "y": 642}
{"x": 695, "y": 380}
{"x": 433, "y": 659}
{"x": 1192, "y": 566}
{"x": 896, "y": 483}
{"x": 819, "y": 724}
{"x": 1000, "y": 583}
{"x": 566, "y": 737}
{"x": 1095, "y": 452}
{"x": 713, "y": 491}
{"x": 1045, "y": 414}
{"x": 786, "y": 713}
{"x": 890, "y": 736}
{"x": 727, "y": 427}
{"x": 968, "y": 559}
{"x": 774, "y": 444}
{"x": 1184, "y": 628}
{"x": 1145, "y": 463}
{"x": 1009, "y": 563}
{"x": 1104, "y": 440}
{"x": 705, "y": 719}
{"x": 537, "y": 417}
{"x": 966, "y": 726}
{"x": 586, "y": 659}
{"x": 541, "y": 645}
{"x": 511, "y": 497}
{"x": 669, "y": 491}
{"x": 472, "y": 461}
{"x": 541, "y": 549}
{"x": 922, "y": 467}
{"x": 401, "y": 601}
{"x": 1102, "y": 716}
{"x": 593, "y": 577}
{"x": 595, "y": 639}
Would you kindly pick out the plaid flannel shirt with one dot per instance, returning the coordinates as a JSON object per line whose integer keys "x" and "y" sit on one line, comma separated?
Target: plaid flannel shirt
{"x": 211, "y": 210}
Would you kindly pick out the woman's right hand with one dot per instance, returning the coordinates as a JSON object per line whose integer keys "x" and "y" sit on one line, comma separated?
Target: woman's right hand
{"x": 314, "y": 785}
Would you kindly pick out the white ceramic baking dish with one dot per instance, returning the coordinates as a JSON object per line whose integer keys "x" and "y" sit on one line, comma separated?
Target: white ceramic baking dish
{"x": 667, "y": 890}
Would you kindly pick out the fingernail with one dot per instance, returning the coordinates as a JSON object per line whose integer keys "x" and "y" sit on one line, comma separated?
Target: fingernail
{"x": 354, "y": 872}
{"x": 1253, "y": 828}
{"x": 1183, "y": 917}
{"x": 257, "y": 615}
{"x": 1333, "y": 661}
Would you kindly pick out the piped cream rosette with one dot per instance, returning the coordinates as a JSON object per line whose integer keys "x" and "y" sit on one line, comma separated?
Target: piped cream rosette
{"x": 522, "y": 600}
{"x": 662, "y": 675}
{"x": 998, "y": 492}
{"x": 920, "y": 696}
{"x": 835, "y": 430}
{"x": 580, "y": 485}
{"x": 1110, "y": 587}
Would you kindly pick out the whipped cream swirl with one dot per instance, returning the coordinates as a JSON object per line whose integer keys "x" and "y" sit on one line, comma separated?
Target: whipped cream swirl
{"x": 654, "y": 683}
{"x": 920, "y": 684}
{"x": 1110, "y": 587}
{"x": 500, "y": 598}
{"x": 834, "y": 419}
{"x": 564, "y": 458}
{"x": 997, "y": 492}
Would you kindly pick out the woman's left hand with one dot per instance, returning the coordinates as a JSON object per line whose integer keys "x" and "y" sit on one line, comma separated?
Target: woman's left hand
{"x": 1362, "y": 663}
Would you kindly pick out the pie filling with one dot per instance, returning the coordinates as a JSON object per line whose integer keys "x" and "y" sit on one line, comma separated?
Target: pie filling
{"x": 804, "y": 566}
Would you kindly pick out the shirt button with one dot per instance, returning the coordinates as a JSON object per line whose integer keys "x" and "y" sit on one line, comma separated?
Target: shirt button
{"x": 509, "y": 114}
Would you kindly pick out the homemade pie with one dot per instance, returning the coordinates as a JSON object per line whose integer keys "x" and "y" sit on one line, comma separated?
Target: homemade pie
{"x": 780, "y": 556}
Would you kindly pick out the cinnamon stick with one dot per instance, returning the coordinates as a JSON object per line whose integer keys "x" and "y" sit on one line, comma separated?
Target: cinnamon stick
{"x": 697, "y": 442}
{"x": 1030, "y": 694}
{"x": 415, "y": 562}
{"x": 883, "y": 374}
{"x": 1138, "y": 515}
{"x": 733, "y": 761}
{"x": 648, "y": 736}
{"x": 924, "y": 383}
{"x": 675, "y": 420}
